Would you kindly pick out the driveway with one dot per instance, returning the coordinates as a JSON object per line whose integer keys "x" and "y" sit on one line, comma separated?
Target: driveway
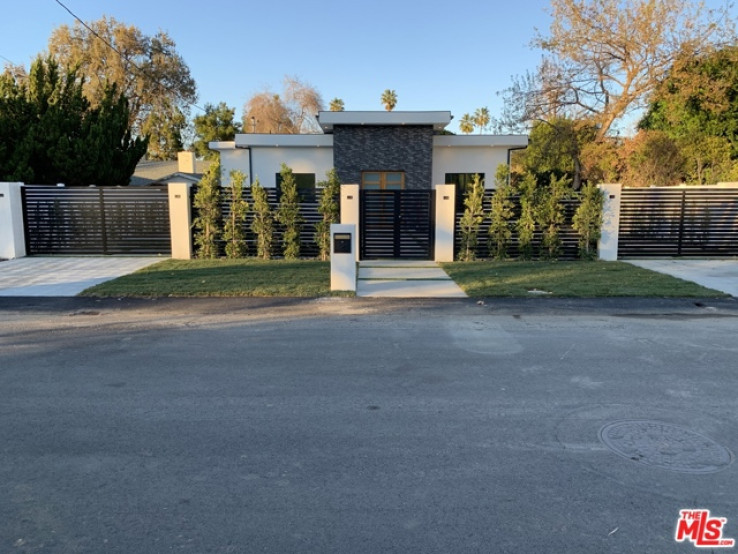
{"x": 64, "y": 276}
{"x": 718, "y": 274}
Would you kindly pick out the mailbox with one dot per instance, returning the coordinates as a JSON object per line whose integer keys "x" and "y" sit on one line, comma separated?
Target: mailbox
{"x": 342, "y": 243}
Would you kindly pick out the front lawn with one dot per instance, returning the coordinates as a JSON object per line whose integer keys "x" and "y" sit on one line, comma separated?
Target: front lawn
{"x": 568, "y": 279}
{"x": 244, "y": 277}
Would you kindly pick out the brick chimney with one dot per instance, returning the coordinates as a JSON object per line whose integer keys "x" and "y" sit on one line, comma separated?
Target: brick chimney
{"x": 186, "y": 162}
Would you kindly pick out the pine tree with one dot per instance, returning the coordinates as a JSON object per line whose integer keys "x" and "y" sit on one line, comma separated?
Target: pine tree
{"x": 288, "y": 214}
{"x": 263, "y": 223}
{"x": 471, "y": 220}
{"x": 587, "y": 220}
{"x": 233, "y": 233}
{"x": 329, "y": 208}
{"x": 207, "y": 222}
{"x": 501, "y": 212}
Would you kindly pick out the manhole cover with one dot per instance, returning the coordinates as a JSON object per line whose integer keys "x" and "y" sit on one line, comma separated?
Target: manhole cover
{"x": 665, "y": 446}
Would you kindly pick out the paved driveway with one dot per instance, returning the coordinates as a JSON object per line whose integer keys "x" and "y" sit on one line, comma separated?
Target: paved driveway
{"x": 718, "y": 274}
{"x": 64, "y": 276}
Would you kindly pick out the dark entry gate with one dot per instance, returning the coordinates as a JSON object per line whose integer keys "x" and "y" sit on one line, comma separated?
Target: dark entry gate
{"x": 678, "y": 222}
{"x": 91, "y": 221}
{"x": 396, "y": 224}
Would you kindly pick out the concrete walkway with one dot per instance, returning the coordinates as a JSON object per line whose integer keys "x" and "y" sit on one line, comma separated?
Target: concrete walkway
{"x": 718, "y": 274}
{"x": 64, "y": 276}
{"x": 405, "y": 279}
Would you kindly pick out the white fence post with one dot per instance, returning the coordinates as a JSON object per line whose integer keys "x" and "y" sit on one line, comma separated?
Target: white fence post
{"x": 445, "y": 222}
{"x": 607, "y": 246}
{"x": 12, "y": 235}
{"x": 350, "y": 211}
{"x": 180, "y": 220}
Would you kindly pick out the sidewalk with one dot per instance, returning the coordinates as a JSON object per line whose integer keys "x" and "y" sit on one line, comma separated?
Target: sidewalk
{"x": 64, "y": 276}
{"x": 405, "y": 279}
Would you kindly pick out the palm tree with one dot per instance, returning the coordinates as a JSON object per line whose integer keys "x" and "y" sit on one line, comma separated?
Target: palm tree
{"x": 336, "y": 105}
{"x": 481, "y": 118}
{"x": 389, "y": 99}
{"x": 466, "y": 124}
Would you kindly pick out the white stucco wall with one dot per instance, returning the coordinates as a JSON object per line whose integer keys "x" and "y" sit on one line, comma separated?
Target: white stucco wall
{"x": 472, "y": 154}
{"x": 266, "y": 161}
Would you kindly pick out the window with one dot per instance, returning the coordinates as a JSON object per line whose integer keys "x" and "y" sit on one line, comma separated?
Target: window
{"x": 462, "y": 181}
{"x": 383, "y": 180}
{"x": 305, "y": 184}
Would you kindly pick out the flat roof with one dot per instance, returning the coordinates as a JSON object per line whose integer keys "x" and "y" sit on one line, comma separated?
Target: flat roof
{"x": 258, "y": 140}
{"x": 438, "y": 120}
{"x": 508, "y": 141}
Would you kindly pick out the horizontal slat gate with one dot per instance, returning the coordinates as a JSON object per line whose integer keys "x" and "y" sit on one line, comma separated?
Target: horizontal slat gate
{"x": 93, "y": 221}
{"x": 396, "y": 224}
{"x": 678, "y": 222}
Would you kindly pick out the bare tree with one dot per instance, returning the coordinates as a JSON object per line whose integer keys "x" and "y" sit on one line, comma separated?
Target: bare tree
{"x": 291, "y": 113}
{"x": 604, "y": 57}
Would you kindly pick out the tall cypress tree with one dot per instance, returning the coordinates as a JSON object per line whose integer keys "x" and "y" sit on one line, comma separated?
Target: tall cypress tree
{"x": 51, "y": 134}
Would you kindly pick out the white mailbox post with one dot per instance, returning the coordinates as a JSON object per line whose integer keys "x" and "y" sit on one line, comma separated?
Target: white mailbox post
{"x": 343, "y": 257}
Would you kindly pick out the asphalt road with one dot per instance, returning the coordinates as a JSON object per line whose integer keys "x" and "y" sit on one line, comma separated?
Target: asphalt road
{"x": 357, "y": 426}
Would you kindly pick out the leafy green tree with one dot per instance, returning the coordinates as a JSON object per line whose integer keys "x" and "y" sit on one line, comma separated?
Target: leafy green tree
{"x": 389, "y": 99}
{"x": 466, "y": 124}
{"x": 526, "y": 224}
{"x": 336, "y": 105}
{"x": 233, "y": 230}
{"x": 550, "y": 216}
{"x": 207, "y": 206}
{"x": 329, "y": 208}
{"x": 51, "y": 133}
{"x": 501, "y": 212}
{"x": 481, "y": 118}
{"x": 697, "y": 107}
{"x": 587, "y": 220}
{"x": 147, "y": 70}
{"x": 471, "y": 220}
{"x": 165, "y": 132}
{"x": 263, "y": 223}
{"x": 288, "y": 214}
{"x": 216, "y": 124}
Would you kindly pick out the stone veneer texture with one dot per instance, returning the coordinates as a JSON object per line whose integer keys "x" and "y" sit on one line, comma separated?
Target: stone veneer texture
{"x": 384, "y": 148}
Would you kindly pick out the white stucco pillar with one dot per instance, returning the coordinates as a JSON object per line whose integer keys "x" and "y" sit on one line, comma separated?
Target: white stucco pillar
{"x": 12, "y": 234}
{"x": 445, "y": 222}
{"x": 350, "y": 212}
{"x": 607, "y": 246}
{"x": 343, "y": 260}
{"x": 180, "y": 220}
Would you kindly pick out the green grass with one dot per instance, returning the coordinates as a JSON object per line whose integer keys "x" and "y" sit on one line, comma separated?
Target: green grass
{"x": 246, "y": 277}
{"x": 568, "y": 279}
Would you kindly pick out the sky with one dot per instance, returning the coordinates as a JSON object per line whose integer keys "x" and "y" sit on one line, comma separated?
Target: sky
{"x": 452, "y": 55}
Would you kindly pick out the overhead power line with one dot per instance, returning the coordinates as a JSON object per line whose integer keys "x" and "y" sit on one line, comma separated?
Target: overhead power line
{"x": 126, "y": 58}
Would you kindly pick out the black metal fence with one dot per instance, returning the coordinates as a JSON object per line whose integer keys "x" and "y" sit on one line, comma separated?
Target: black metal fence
{"x": 96, "y": 220}
{"x": 678, "y": 222}
{"x": 309, "y": 201}
{"x": 569, "y": 237}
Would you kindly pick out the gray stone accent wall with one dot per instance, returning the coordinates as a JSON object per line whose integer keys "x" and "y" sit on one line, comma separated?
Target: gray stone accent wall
{"x": 384, "y": 148}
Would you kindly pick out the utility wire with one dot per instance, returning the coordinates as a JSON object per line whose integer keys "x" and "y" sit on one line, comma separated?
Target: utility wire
{"x": 124, "y": 57}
